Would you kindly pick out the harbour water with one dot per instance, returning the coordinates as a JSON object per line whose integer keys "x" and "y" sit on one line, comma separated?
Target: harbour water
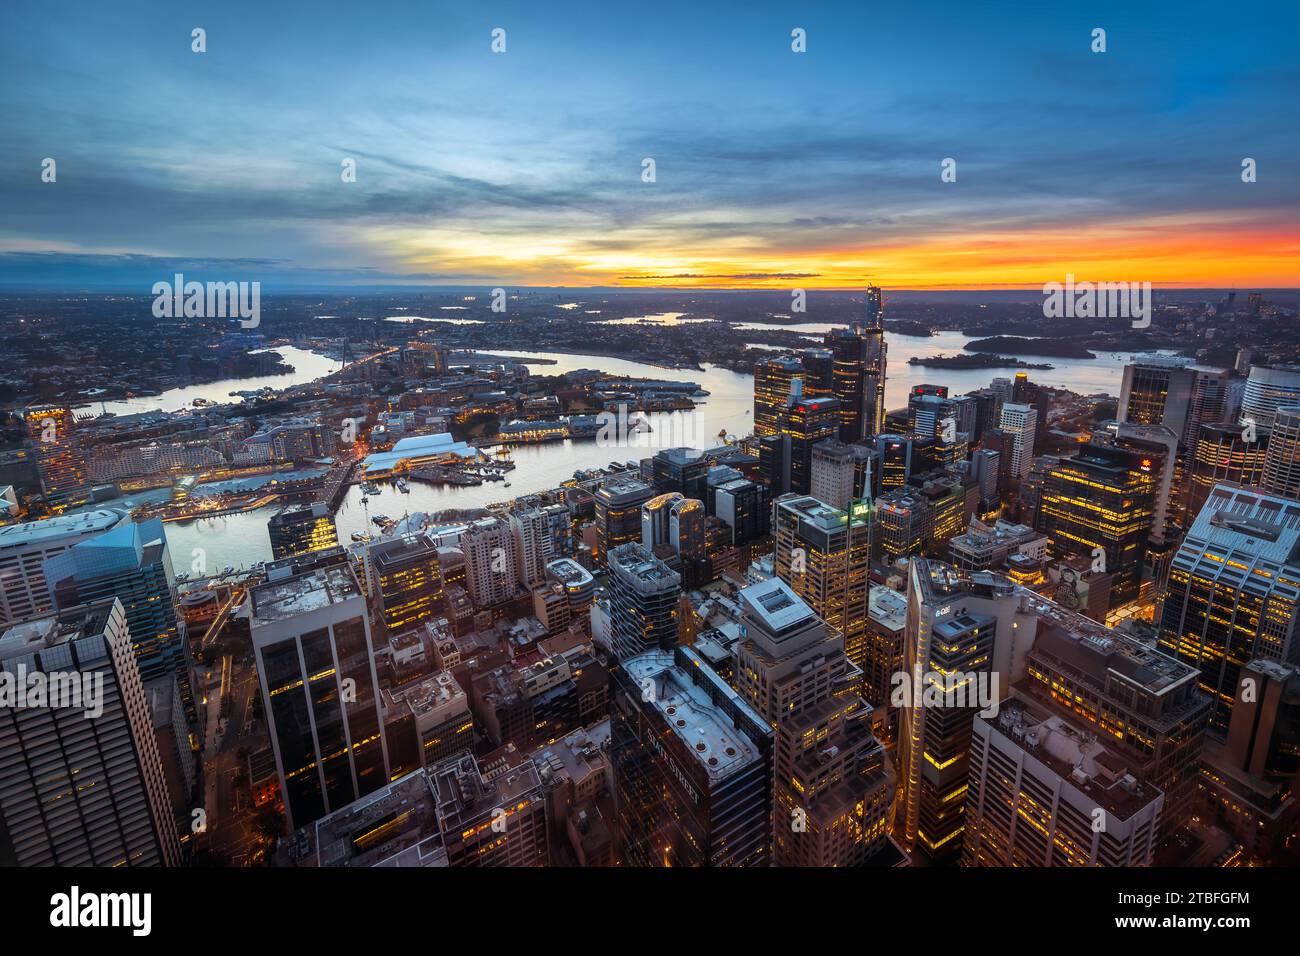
{"x": 240, "y": 540}
{"x": 307, "y": 367}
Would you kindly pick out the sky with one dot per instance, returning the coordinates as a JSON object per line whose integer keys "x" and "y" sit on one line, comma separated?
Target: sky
{"x": 772, "y": 168}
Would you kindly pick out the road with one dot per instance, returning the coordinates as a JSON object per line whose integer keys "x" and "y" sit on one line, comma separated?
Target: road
{"x": 231, "y": 818}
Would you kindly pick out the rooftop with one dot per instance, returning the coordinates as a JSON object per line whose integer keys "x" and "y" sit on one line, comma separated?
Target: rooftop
{"x": 1076, "y": 755}
{"x": 51, "y": 529}
{"x": 775, "y": 605}
{"x": 316, "y": 589}
{"x": 718, "y": 747}
{"x": 395, "y": 826}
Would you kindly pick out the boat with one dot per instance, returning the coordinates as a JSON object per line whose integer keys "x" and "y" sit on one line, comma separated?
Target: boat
{"x": 380, "y": 520}
{"x": 506, "y": 485}
{"x": 370, "y": 488}
{"x": 360, "y": 536}
{"x": 403, "y": 487}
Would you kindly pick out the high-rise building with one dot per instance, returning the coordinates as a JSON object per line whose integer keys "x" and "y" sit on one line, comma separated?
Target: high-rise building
{"x": 958, "y": 628}
{"x": 644, "y": 596}
{"x": 1101, "y": 504}
{"x": 540, "y": 535}
{"x": 1221, "y": 454}
{"x": 1019, "y": 422}
{"x": 892, "y": 460}
{"x": 741, "y": 505}
{"x": 776, "y": 380}
{"x": 405, "y": 581}
{"x": 79, "y": 788}
{"x": 918, "y": 520}
{"x": 860, "y": 358}
{"x": 618, "y": 504}
{"x": 491, "y": 561}
{"x": 59, "y": 461}
{"x": 962, "y": 629}
{"x": 833, "y": 784}
{"x": 1234, "y": 590}
{"x": 1046, "y": 792}
{"x": 807, "y": 422}
{"x": 301, "y": 528}
{"x": 316, "y": 668}
{"x": 692, "y": 766}
{"x": 579, "y": 585}
{"x": 1248, "y": 783}
{"x": 985, "y": 548}
{"x": 836, "y": 468}
{"x": 130, "y": 562}
{"x": 824, "y": 555}
{"x": 24, "y": 549}
{"x": 688, "y": 537}
{"x": 654, "y": 519}
{"x": 774, "y": 463}
{"x": 1144, "y": 703}
{"x": 1174, "y": 392}
{"x": 1281, "y": 473}
{"x": 1269, "y": 388}
{"x": 1159, "y": 445}
{"x": 683, "y": 470}
{"x": 1265, "y": 726}
{"x": 819, "y": 373}
{"x": 497, "y": 820}
{"x": 426, "y": 721}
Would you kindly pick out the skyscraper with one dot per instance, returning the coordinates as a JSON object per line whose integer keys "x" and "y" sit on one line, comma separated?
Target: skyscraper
{"x": 807, "y": 422}
{"x": 1101, "y": 504}
{"x": 316, "y": 668}
{"x": 76, "y": 789}
{"x": 683, "y": 470}
{"x": 654, "y": 519}
{"x": 834, "y": 470}
{"x": 776, "y": 380}
{"x": 491, "y": 561}
{"x": 1174, "y": 392}
{"x": 692, "y": 766}
{"x": 130, "y": 562}
{"x": 860, "y": 358}
{"x": 24, "y": 549}
{"x": 1143, "y": 702}
{"x": 59, "y": 460}
{"x": 618, "y": 513}
{"x": 1019, "y": 422}
{"x": 406, "y": 581}
{"x": 824, "y": 555}
{"x": 1269, "y": 388}
{"x": 1234, "y": 590}
{"x": 1281, "y": 472}
{"x": 1046, "y": 792}
{"x": 958, "y": 628}
{"x": 819, "y": 372}
{"x": 833, "y": 783}
{"x": 301, "y": 528}
{"x": 643, "y": 596}
{"x": 1221, "y": 454}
